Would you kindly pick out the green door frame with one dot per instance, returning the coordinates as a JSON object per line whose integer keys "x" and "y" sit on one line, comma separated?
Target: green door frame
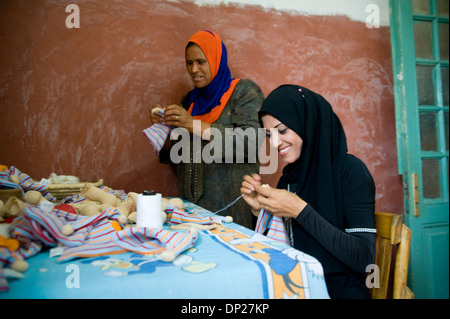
{"x": 427, "y": 218}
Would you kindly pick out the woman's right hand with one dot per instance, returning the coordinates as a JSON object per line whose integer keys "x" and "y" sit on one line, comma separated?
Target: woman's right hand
{"x": 155, "y": 117}
{"x": 247, "y": 188}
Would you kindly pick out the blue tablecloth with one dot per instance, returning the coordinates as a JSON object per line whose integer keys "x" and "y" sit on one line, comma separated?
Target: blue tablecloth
{"x": 228, "y": 262}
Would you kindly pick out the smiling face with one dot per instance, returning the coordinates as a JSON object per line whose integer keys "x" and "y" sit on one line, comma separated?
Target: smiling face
{"x": 197, "y": 66}
{"x": 288, "y": 143}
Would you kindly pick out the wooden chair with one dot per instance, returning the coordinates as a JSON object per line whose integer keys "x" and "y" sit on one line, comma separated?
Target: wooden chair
{"x": 392, "y": 233}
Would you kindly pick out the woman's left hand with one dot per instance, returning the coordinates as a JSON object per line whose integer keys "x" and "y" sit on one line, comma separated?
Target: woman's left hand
{"x": 178, "y": 116}
{"x": 280, "y": 202}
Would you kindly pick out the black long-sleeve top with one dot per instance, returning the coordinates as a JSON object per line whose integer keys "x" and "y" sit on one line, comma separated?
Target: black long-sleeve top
{"x": 353, "y": 246}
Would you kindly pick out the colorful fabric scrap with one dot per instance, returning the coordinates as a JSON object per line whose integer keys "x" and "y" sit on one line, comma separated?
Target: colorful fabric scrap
{"x": 274, "y": 226}
{"x": 27, "y": 183}
{"x": 146, "y": 241}
{"x": 92, "y": 236}
{"x": 176, "y": 216}
{"x": 157, "y": 135}
{"x": 230, "y": 261}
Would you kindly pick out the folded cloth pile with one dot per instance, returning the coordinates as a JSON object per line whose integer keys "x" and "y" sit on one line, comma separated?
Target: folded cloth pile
{"x": 51, "y": 225}
{"x": 92, "y": 236}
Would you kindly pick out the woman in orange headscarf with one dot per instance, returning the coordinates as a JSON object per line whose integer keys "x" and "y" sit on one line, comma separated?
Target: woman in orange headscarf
{"x": 218, "y": 102}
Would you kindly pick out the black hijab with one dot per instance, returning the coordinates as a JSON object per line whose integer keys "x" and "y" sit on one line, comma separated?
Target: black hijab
{"x": 315, "y": 176}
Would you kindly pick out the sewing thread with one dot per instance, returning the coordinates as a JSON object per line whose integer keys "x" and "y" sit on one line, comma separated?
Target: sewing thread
{"x": 229, "y": 205}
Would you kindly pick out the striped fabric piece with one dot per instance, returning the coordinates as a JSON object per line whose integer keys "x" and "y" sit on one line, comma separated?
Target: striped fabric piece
{"x": 6, "y": 183}
{"x": 97, "y": 241}
{"x": 93, "y": 236}
{"x": 274, "y": 225}
{"x": 78, "y": 198}
{"x": 38, "y": 225}
{"x": 27, "y": 230}
{"x": 22, "y": 231}
{"x": 157, "y": 135}
{"x": 146, "y": 241}
{"x": 100, "y": 233}
{"x": 118, "y": 193}
{"x": 83, "y": 221}
{"x": 4, "y": 178}
{"x": 75, "y": 199}
{"x": 177, "y": 216}
{"x": 8, "y": 256}
{"x": 106, "y": 247}
{"x": 68, "y": 216}
{"x": 27, "y": 183}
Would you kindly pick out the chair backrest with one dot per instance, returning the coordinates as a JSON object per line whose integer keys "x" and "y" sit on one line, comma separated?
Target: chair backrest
{"x": 392, "y": 232}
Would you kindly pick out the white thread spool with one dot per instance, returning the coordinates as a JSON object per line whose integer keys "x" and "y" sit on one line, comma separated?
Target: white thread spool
{"x": 148, "y": 210}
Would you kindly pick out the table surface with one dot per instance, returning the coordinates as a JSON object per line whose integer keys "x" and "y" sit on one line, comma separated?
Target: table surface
{"x": 228, "y": 262}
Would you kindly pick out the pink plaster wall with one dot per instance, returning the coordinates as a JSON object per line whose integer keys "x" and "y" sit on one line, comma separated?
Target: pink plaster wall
{"x": 75, "y": 101}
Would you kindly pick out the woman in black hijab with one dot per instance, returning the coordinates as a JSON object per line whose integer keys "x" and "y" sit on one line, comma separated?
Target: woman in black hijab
{"x": 325, "y": 196}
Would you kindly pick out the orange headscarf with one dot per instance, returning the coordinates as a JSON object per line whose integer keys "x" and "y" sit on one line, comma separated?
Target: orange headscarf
{"x": 207, "y": 104}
